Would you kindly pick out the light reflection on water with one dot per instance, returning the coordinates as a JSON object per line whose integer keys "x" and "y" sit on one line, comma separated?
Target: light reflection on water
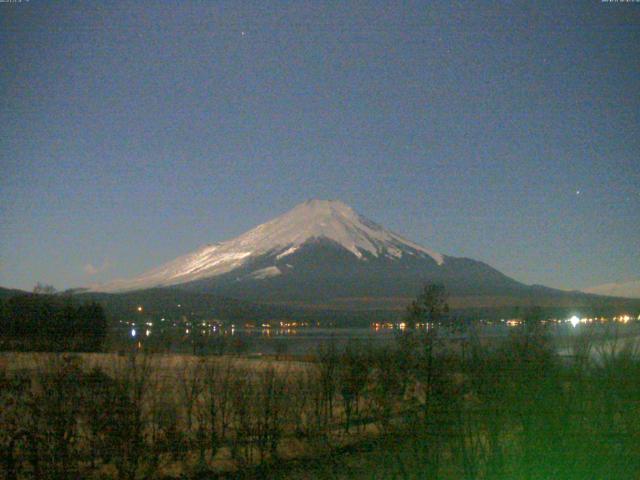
{"x": 306, "y": 340}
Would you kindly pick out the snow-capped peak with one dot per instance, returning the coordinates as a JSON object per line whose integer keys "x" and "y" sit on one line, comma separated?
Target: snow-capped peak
{"x": 335, "y": 221}
{"x": 282, "y": 236}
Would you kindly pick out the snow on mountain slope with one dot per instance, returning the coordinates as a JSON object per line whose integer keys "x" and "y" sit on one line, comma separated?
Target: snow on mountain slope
{"x": 626, "y": 289}
{"x": 281, "y": 236}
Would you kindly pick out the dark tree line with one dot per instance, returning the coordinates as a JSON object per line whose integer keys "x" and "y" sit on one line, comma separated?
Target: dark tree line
{"x": 48, "y": 322}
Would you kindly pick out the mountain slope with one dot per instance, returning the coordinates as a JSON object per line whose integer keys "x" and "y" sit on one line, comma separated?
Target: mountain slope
{"x": 623, "y": 289}
{"x": 11, "y": 292}
{"x": 322, "y": 254}
{"x": 280, "y": 238}
{"x": 321, "y": 271}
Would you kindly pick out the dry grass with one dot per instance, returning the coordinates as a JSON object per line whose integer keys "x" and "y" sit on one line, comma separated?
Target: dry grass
{"x": 16, "y": 361}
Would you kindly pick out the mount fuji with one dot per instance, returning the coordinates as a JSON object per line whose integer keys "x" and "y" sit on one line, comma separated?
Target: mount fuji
{"x": 313, "y": 223}
{"x": 323, "y": 253}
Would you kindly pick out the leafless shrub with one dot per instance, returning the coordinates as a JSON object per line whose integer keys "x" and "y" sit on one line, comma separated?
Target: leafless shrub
{"x": 132, "y": 376}
{"x": 190, "y": 385}
{"x": 328, "y": 362}
{"x": 14, "y": 390}
{"x": 219, "y": 378}
{"x": 270, "y": 412}
{"x": 54, "y": 416}
{"x": 243, "y": 420}
{"x": 353, "y": 377}
{"x": 388, "y": 384}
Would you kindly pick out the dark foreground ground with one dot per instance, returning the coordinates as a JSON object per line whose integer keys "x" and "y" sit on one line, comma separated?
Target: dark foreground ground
{"x": 420, "y": 407}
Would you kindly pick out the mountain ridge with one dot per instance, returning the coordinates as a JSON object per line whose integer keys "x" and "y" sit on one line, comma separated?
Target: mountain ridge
{"x": 628, "y": 289}
{"x": 282, "y": 236}
{"x": 323, "y": 254}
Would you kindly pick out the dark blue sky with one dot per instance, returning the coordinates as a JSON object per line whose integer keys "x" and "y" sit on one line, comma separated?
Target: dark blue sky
{"x": 136, "y": 132}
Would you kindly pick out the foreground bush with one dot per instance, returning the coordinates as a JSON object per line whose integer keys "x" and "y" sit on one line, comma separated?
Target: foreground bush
{"x": 467, "y": 409}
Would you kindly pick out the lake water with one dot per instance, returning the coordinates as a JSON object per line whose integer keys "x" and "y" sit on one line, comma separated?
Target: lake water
{"x": 306, "y": 340}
